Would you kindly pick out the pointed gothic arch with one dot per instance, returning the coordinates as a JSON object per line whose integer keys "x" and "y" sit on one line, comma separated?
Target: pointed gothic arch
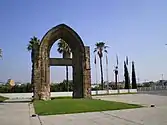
{"x": 80, "y": 63}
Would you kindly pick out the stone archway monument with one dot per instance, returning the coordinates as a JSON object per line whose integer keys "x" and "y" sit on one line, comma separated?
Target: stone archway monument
{"x": 80, "y": 63}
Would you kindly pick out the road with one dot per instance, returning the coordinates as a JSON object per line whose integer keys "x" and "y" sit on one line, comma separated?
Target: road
{"x": 157, "y": 92}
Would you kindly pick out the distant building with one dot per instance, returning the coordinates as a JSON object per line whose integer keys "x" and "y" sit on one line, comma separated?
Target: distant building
{"x": 11, "y": 82}
{"x": 120, "y": 85}
{"x": 161, "y": 83}
{"x": 2, "y": 83}
{"x": 94, "y": 85}
{"x": 18, "y": 83}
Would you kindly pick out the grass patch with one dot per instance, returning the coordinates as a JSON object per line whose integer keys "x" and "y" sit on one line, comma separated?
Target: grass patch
{"x": 2, "y": 98}
{"x": 68, "y": 106}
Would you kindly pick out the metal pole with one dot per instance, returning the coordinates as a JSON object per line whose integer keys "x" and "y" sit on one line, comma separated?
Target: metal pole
{"x": 96, "y": 73}
{"x": 162, "y": 76}
{"x": 116, "y": 74}
{"x": 116, "y": 78}
{"x": 118, "y": 82}
{"x": 107, "y": 74}
{"x": 96, "y": 76}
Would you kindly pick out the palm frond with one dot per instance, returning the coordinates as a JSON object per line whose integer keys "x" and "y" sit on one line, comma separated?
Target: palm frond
{"x": 34, "y": 41}
{"x": 100, "y": 47}
{"x": 105, "y": 47}
{"x": 63, "y": 46}
{"x": 60, "y": 50}
{"x": 105, "y": 51}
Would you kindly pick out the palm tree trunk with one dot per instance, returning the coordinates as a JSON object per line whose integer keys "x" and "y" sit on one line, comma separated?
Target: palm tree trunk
{"x": 67, "y": 78}
{"x": 32, "y": 79}
{"x": 101, "y": 69}
{"x": 32, "y": 72}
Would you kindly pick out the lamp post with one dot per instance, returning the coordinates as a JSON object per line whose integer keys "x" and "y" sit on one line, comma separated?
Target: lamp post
{"x": 96, "y": 74}
{"x": 107, "y": 74}
{"x": 162, "y": 76}
{"x": 116, "y": 78}
{"x": 116, "y": 73}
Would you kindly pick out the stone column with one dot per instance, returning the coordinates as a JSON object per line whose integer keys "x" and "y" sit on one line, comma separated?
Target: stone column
{"x": 36, "y": 74}
{"x": 36, "y": 81}
{"x": 45, "y": 75}
{"x": 87, "y": 74}
{"x": 78, "y": 90}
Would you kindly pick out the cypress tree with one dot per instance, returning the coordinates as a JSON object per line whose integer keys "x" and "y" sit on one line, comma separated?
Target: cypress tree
{"x": 126, "y": 75}
{"x": 134, "y": 85}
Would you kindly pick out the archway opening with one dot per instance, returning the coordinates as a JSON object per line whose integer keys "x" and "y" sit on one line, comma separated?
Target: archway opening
{"x": 61, "y": 79}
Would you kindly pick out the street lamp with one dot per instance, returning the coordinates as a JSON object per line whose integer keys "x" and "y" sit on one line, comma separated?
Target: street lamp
{"x": 116, "y": 77}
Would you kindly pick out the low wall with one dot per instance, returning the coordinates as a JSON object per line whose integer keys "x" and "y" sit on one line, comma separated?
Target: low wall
{"x": 60, "y": 94}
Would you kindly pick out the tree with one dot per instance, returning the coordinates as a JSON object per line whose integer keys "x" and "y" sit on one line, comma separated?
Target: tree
{"x": 100, "y": 48}
{"x": 134, "y": 85}
{"x": 33, "y": 47}
{"x": 0, "y": 53}
{"x": 126, "y": 75}
{"x": 65, "y": 50}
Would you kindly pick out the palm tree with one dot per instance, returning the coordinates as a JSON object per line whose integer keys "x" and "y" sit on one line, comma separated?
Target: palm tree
{"x": 65, "y": 50}
{"x": 100, "y": 49}
{"x": 0, "y": 53}
{"x": 33, "y": 47}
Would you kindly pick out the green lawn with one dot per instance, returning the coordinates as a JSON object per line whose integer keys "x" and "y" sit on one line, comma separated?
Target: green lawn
{"x": 68, "y": 105}
{"x": 2, "y": 98}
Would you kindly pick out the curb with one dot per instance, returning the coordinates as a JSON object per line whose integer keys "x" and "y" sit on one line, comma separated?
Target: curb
{"x": 34, "y": 118}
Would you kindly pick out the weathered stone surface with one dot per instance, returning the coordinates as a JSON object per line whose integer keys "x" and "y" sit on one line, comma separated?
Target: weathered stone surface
{"x": 60, "y": 62}
{"x": 80, "y": 63}
{"x": 87, "y": 74}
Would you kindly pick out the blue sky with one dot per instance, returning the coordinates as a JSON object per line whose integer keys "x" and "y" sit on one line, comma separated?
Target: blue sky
{"x": 134, "y": 28}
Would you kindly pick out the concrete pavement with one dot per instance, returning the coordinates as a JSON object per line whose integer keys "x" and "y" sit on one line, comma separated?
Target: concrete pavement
{"x": 155, "y": 92}
{"x": 17, "y": 114}
{"x": 141, "y": 116}
{"x": 14, "y": 114}
{"x": 20, "y": 113}
{"x": 142, "y": 99}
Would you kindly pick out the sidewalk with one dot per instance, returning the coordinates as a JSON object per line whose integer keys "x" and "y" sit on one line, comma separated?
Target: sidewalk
{"x": 142, "y": 99}
{"x": 20, "y": 113}
{"x": 14, "y": 114}
{"x": 141, "y": 116}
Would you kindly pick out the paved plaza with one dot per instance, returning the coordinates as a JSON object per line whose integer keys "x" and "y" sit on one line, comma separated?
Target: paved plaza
{"x": 20, "y": 113}
{"x": 14, "y": 114}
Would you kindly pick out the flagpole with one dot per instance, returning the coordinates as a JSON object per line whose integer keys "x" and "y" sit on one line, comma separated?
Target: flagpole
{"x": 116, "y": 73}
{"x": 107, "y": 74}
{"x": 96, "y": 72}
